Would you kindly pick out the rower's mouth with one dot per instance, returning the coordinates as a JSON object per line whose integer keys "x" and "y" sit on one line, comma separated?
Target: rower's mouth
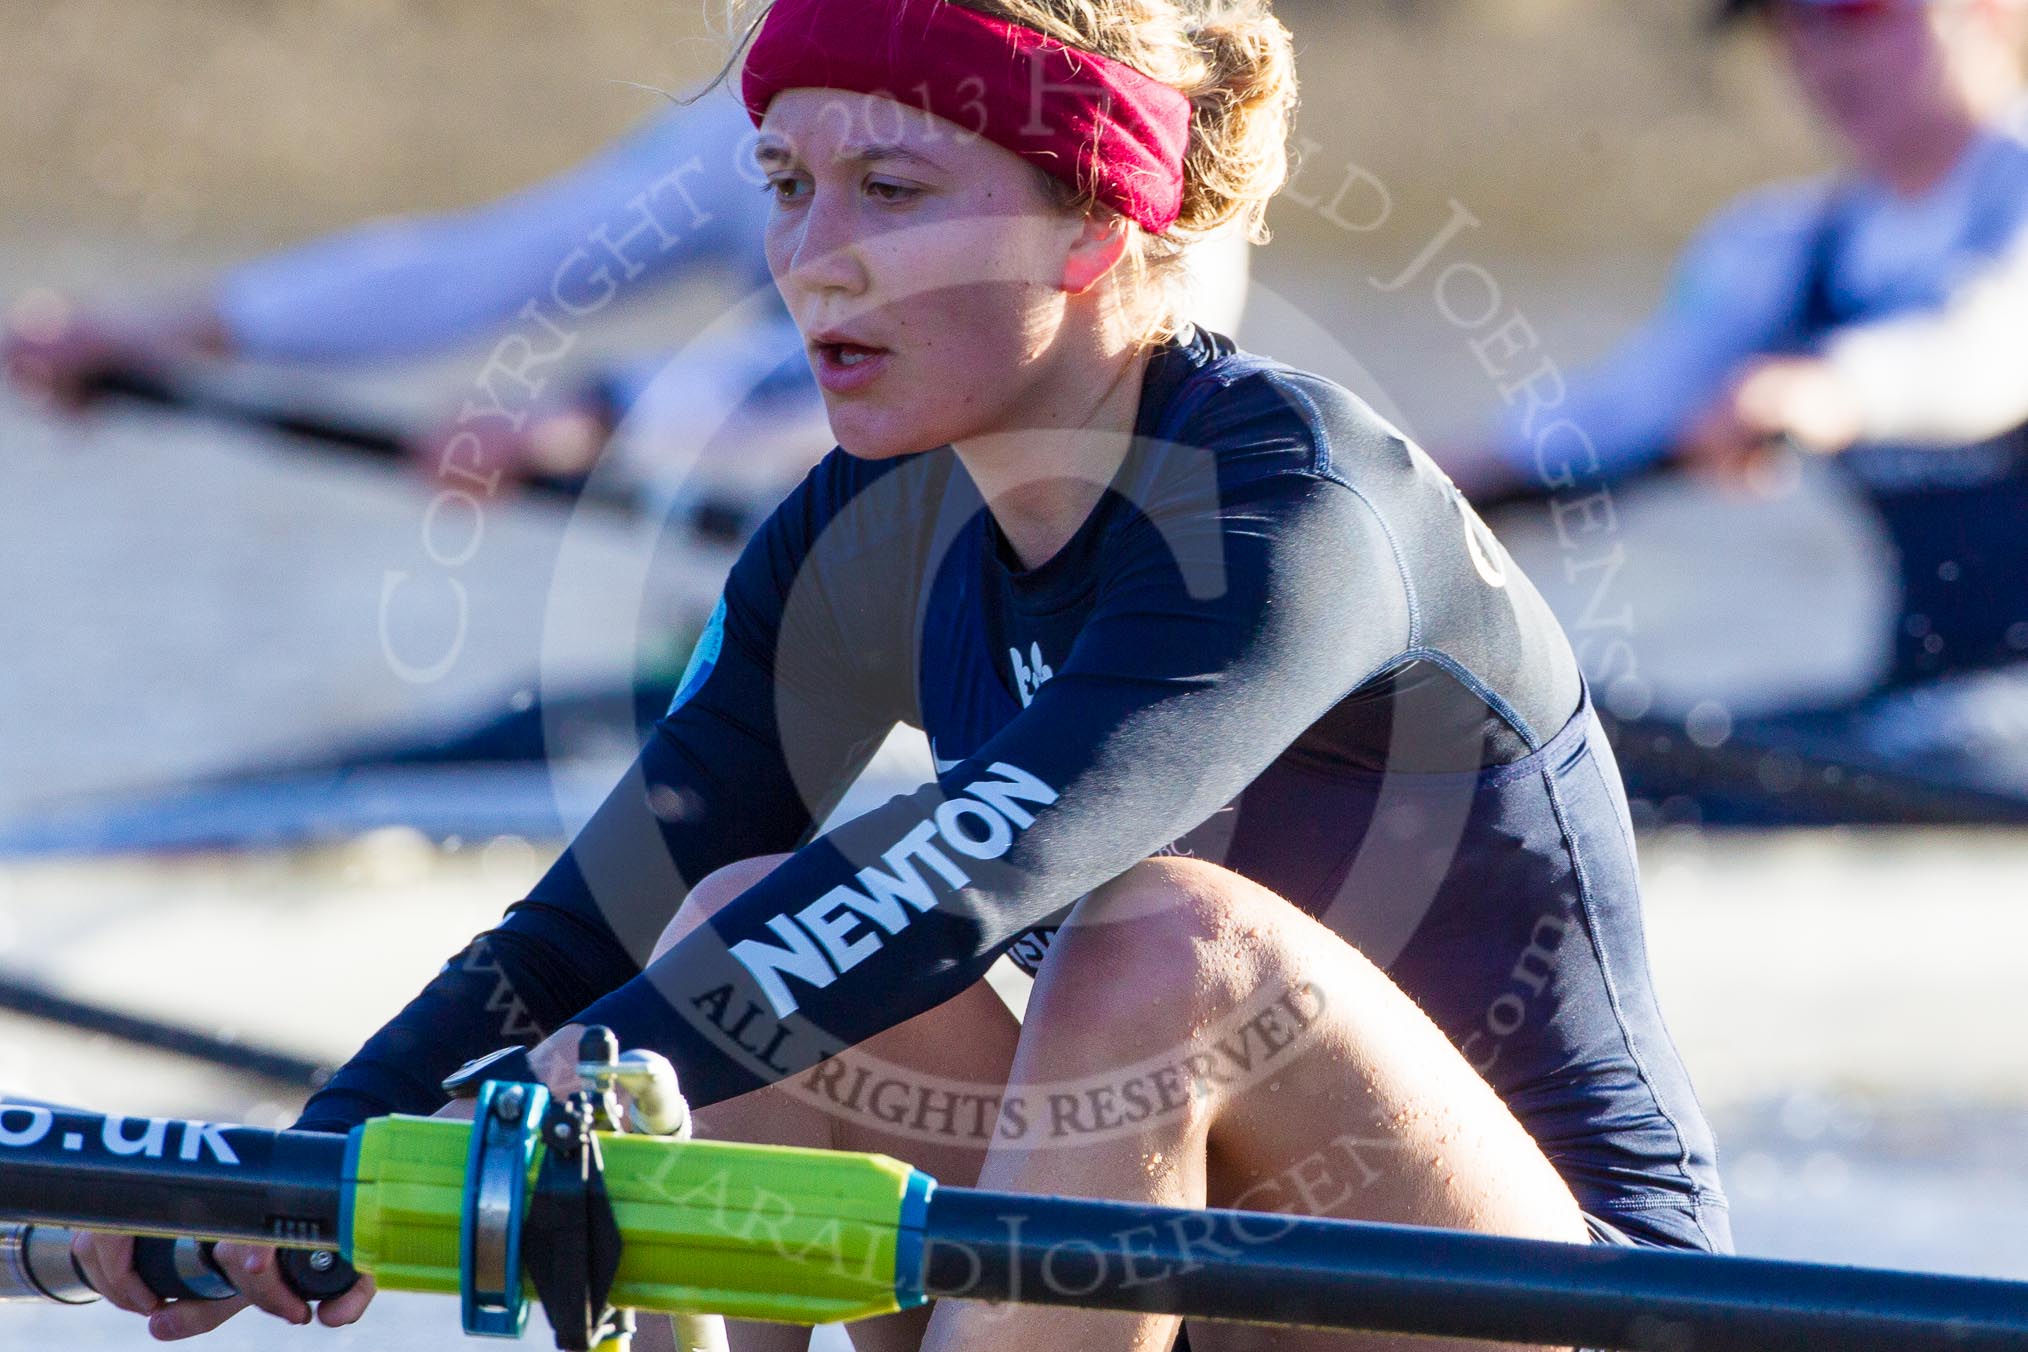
{"x": 847, "y": 365}
{"x": 847, "y": 354}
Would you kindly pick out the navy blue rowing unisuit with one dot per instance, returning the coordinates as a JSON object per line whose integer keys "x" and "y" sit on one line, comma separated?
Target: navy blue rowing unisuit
{"x": 1280, "y": 642}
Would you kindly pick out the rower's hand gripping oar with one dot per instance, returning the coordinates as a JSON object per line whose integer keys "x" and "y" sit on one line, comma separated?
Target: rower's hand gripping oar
{"x": 36, "y": 1262}
{"x": 528, "y": 1198}
{"x": 187, "y": 1269}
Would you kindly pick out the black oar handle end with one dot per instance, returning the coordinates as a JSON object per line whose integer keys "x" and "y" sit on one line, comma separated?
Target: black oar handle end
{"x": 185, "y": 1269}
{"x": 317, "y": 1274}
{"x": 180, "y": 1269}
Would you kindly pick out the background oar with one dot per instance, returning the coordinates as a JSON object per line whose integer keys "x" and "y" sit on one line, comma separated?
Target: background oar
{"x": 23, "y": 995}
{"x": 712, "y": 516}
{"x": 185, "y": 393}
{"x": 338, "y": 433}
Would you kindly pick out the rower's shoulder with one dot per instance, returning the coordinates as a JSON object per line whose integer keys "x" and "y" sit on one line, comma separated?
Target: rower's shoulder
{"x": 1781, "y": 215}
{"x": 840, "y": 479}
{"x": 851, "y": 515}
{"x": 2002, "y": 182}
{"x": 1264, "y": 419}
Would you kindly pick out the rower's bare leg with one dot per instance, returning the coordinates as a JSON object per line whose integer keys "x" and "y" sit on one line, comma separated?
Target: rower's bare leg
{"x": 943, "y": 1070}
{"x": 1194, "y": 1039}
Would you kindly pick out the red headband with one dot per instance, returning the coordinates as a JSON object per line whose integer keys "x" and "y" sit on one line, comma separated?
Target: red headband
{"x": 1095, "y": 123}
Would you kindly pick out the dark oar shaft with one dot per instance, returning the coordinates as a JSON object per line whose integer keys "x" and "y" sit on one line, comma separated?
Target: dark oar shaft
{"x": 1333, "y": 1274}
{"x": 1660, "y": 752}
{"x": 150, "y": 387}
{"x": 35, "y": 1000}
{"x": 352, "y": 436}
{"x": 80, "y": 1169}
{"x": 169, "y": 1176}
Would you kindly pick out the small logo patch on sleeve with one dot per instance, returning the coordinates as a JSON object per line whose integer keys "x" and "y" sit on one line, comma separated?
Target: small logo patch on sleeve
{"x": 703, "y": 658}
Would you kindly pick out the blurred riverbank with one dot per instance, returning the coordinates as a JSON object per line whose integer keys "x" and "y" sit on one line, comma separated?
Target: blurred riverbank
{"x": 1568, "y": 125}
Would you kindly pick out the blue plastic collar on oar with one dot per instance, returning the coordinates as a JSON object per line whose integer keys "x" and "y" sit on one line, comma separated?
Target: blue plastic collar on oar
{"x": 504, "y": 1129}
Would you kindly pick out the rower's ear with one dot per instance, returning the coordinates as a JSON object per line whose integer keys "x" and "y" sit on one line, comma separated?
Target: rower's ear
{"x": 1100, "y": 245}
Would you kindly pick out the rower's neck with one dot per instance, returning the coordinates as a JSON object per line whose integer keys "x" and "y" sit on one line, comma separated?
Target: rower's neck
{"x": 1041, "y": 482}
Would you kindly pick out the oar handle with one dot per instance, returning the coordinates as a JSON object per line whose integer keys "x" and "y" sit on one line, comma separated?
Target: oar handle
{"x": 187, "y": 1269}
{"x": 36, "y": 1264}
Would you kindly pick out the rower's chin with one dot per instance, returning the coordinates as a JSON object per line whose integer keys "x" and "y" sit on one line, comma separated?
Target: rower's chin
{"x": 871, "y": 431}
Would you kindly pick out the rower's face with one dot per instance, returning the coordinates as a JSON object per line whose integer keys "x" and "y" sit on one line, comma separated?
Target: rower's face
{"x": 1874, "y": 69}
{"x": 924, "y": 266}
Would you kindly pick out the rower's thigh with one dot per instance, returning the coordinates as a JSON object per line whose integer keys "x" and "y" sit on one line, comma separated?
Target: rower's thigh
{"x": 1309, "y": 1080}
{"x": 927, "y": 1092}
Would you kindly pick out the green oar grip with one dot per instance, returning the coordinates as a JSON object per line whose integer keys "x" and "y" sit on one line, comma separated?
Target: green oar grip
{"x": 747, "y": 1231}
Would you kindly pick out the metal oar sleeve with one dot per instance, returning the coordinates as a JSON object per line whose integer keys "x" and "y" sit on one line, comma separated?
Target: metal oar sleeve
{"x": 1339, "y": 1274}
{"x": 170, "y": 1176}
{"x": 35, "y": 1264}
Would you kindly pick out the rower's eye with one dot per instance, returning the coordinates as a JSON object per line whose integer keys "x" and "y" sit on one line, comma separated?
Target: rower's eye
{"x": 787, "y": 189}
{"x": 887, "y": 190}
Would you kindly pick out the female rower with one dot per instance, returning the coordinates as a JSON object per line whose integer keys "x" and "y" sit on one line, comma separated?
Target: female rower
{"x": 1252, "y": 745}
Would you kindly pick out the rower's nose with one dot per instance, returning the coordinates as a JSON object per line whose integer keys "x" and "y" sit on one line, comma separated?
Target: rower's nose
{"x": 820, "y": 254}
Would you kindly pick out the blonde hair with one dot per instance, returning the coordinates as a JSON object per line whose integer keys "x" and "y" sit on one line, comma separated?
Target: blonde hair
{"x": 1236, "y": 63}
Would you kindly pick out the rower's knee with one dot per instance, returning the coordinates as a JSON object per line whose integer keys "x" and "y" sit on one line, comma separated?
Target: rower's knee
{"x": 1160, "y": 949}
{"x": 713, "y": 893}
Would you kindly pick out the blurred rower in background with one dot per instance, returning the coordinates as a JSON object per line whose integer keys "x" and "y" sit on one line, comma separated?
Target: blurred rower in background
{"x": 1877, "y": 316}
{"x": 674, "y": 198}
{"x": 728, "y": 421}
{"x": 677, "y": 199}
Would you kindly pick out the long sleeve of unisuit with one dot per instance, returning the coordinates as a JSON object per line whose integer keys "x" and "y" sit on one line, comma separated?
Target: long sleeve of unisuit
{"x": 772, "y": 721}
